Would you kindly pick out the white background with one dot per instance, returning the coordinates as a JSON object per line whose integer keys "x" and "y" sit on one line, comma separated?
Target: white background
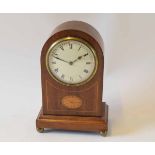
{"x": 129, "y": 79}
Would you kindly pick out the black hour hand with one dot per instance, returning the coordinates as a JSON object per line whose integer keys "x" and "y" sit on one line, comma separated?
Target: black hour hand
{"x": 80, "y": 57}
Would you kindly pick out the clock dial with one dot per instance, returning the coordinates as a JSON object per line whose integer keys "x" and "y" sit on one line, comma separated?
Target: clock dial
{"x": 71, "y": 61}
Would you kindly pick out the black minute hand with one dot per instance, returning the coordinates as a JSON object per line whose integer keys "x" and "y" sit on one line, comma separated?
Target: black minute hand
{"x": 61, "y": 59}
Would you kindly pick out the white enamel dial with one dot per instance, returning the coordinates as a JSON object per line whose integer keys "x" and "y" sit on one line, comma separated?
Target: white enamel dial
{"x": 71, "y": 61}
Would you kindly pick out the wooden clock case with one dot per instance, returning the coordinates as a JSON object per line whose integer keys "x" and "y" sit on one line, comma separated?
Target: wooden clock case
{"x": 92, "y": 115}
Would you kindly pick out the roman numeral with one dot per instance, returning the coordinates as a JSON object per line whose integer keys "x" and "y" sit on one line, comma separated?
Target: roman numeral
{"x": 56, "y": 70}
{"x": 54, "y": 54}
{"x": 80, "y": 77}
{"x": 70, "y": 45}
{"x": 62, "y": 48}
{"x": 71, "y": 79}
{"x": 88, "y": 63}
{"x": 53, "y": 62}
{"x": 62, "y": 76}
{"x": 85, "y": 70}
{"x": 54, "y": 51}
{"x": 79, "y": 48}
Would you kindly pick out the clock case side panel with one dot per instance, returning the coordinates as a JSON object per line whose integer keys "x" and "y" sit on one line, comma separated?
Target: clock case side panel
{"x": 90, "y": 93}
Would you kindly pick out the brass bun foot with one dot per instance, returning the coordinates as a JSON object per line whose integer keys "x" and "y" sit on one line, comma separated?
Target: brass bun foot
{"x": 40, "y": 130}
{"x": 103, "y": 133}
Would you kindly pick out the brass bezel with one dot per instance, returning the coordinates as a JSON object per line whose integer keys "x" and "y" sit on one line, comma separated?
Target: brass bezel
{"x": 76, "y": 39}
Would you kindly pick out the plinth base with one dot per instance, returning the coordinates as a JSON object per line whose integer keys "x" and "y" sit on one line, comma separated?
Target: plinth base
{"x": 76, "y": 123}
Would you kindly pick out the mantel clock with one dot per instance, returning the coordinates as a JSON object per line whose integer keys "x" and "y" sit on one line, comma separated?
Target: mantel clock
{"x": 72, "y": 65}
